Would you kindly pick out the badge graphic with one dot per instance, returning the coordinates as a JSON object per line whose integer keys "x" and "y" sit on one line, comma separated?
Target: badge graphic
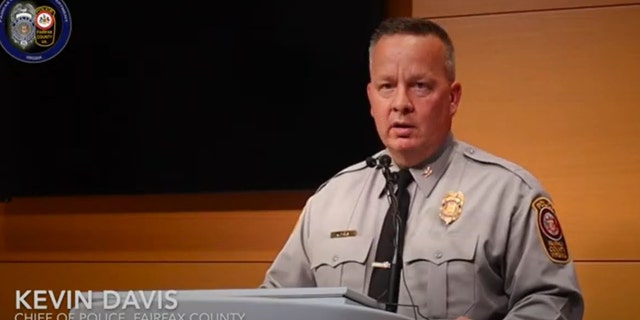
{"x": 451, "y": 207}
{"x": 550, "y": 231}
{"x": 34, "y": 31}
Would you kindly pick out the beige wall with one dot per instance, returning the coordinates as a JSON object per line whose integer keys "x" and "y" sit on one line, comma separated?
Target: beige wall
{"x": 551, "y": 85}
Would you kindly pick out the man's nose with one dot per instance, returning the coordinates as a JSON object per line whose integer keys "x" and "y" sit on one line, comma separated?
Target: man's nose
{"x": 401, "y": 101}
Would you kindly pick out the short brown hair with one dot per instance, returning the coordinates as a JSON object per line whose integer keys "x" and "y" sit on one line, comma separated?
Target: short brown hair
{"x": 418, "y": 27}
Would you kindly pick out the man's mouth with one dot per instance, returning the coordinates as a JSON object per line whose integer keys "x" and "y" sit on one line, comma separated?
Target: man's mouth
{"x": 401, "y": 125}
{"x": 401, "y": 129}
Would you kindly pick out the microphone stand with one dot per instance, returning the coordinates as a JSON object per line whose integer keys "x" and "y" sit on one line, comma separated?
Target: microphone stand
{"x": 391, "y": 180}
{"x": 394, "y": 273}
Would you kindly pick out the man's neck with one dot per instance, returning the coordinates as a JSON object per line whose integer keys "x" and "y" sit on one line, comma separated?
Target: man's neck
{"x": 430, "y": 158}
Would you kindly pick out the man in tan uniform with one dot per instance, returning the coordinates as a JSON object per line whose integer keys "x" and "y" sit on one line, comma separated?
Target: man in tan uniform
{"x": 482, "y": 239}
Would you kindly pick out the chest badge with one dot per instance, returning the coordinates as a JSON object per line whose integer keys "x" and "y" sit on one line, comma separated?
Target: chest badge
{"x": 451, "y": 207}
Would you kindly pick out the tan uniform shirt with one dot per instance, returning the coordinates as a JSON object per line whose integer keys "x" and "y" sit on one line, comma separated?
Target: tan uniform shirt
{"x": 504, "y": 257}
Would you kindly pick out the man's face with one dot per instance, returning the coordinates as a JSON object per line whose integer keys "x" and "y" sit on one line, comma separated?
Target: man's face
{"x": 412, "y": 101}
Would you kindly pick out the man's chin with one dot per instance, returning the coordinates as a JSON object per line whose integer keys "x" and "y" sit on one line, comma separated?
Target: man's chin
{"x": 403, "y": 144}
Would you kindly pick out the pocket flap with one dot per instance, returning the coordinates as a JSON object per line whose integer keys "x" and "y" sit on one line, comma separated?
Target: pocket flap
{"x": 336, "y": 251}
{"x": 440, "y": 250}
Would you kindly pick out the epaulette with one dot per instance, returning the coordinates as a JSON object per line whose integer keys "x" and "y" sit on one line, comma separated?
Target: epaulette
{"x": 481, "y": 156}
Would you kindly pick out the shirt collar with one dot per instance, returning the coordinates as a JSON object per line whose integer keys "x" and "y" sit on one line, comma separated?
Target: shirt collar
{"x": 427, "y": 173}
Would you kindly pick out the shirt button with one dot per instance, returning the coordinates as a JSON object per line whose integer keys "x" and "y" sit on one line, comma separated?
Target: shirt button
{"x": 470, "y": 150}
{"x": 438, "y": 254}
{"x": 335, "y": 258}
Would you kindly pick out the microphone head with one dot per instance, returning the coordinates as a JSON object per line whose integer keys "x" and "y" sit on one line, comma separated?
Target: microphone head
{"x": 371, "y": 162}
{"x": 384, "y": 160}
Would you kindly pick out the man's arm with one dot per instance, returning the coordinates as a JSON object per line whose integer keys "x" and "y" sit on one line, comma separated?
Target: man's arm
{"x": 291, "y": 267}
{"x": 540, "y": 277}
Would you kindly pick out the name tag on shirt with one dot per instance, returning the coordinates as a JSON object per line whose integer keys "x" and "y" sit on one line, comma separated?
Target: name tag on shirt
{"x": 343, "y": 234}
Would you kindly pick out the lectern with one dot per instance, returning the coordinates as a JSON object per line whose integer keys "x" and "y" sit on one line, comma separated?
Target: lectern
{"x": 235, "y": 304}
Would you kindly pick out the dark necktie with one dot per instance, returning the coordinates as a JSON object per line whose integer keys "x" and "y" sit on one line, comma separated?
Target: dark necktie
{"x": 380, "y": 277}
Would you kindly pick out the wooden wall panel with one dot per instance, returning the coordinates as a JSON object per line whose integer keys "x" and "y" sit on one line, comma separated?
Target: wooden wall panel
{"x": 123, "y": 229}
{"x": 557, "y": 92}
{"x": 610, "y": 289}
{"x": 180, "y": 236}
{"x": 447, "y": 8}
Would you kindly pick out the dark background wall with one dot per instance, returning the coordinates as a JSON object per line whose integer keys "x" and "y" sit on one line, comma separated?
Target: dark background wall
{"x": 152, "y": 98}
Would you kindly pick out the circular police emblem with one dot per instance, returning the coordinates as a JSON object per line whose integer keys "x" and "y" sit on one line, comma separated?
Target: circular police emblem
{"x": 34, "y": 31}
{"x": 549, "y": 224}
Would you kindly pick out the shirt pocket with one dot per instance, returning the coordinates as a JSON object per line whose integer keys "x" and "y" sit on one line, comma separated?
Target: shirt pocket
{"x": 340, "y": 261}
{"x": 441, "y": 274}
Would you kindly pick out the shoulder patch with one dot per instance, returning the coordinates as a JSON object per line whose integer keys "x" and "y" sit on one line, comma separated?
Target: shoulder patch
{"x": 549, "y": 230}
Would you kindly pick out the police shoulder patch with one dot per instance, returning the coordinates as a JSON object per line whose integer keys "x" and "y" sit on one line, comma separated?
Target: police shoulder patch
{"x": 550, "y": 231}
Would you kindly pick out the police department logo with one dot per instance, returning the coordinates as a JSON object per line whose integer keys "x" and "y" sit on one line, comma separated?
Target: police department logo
{"x": 550, "y": 231}
{"x": 34, "y": 31}
{"x": 549, "y": 224}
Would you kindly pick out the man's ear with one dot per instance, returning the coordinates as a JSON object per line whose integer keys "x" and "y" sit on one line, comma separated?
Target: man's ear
{"x": 369, "y": 95}
{"x": 454, "y": 97}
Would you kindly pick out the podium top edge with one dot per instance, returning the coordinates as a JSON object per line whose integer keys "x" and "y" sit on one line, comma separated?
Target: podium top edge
{"x": 285, "y": 293}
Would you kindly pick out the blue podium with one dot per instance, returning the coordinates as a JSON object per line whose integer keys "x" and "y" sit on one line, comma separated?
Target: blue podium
{"x": 234, "y": 304}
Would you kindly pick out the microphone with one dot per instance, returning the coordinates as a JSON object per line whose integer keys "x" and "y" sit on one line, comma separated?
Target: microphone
{"x": 384, "y": 162}
{"x": 371, "y": 162}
